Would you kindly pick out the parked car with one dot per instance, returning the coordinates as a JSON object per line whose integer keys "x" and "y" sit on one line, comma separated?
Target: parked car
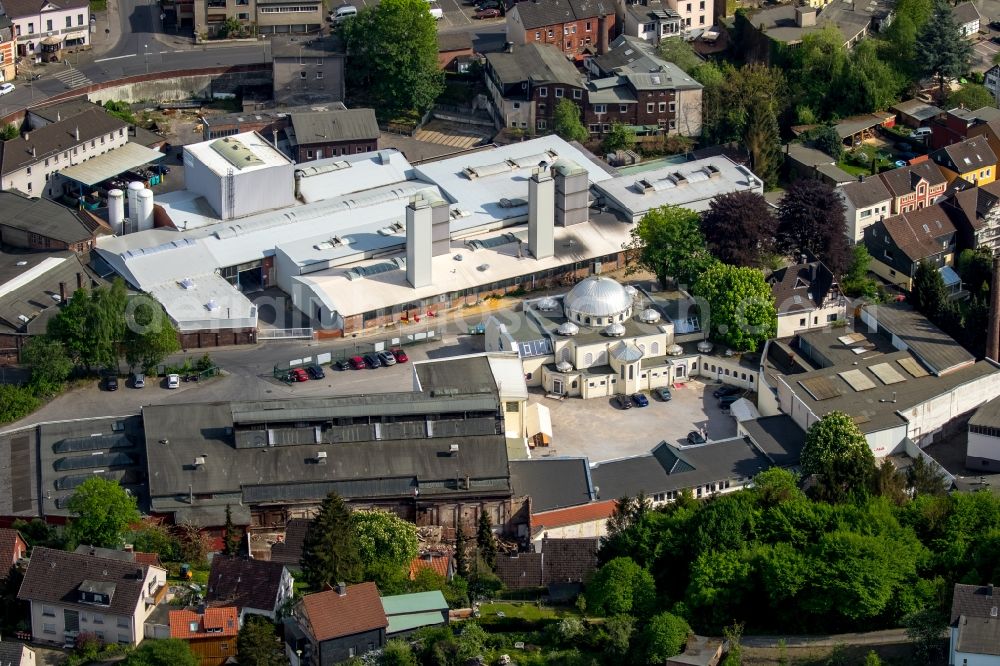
{"x": 6, "y": 88}
{"x": 921, "y": 133}
{"x": 315, "y": 372}
{"x": 298, "y": 375}
{"x": 487, "y": 4}
{"x": 386, "y": 358}
{"x": 664, "y": 394}
{"x": 342, "y": 13}
{"x": 487, "y": 13}
{"x": 109, "y": 382}
{"x": 623, "y": 401}
{"x": 400, "y": 355}
{"x": 342, "y": 364}
{"x": 173, "y": 381}
{"x": 640, "y": 400}
{"x": 695, "y": 437}
{"x": 723, "y": 391}
{"x": 358, "y": 363}
{"x": 726, "y": 401}
{"x": 138, "y": 380}
{"x": 437, "y": 13}
{"x": 371, "y": 360}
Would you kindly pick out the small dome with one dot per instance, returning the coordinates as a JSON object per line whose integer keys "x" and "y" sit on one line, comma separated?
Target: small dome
{"x": 626, "y": 352}
{"x": 675, "y": 350}
{"x": 597, "y": 297}
{"x": 568, "y": 328}
{"x": 547, "y": 303}
{"x": 615, "y": 330}
{"x": 649, "y": 316}
{"x": 564, "y": 366}
{"x": 705, "y": 346}
{"x": 631, "y": 291}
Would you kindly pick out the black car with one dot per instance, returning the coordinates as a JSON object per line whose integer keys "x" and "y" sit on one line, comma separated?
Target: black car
{"x": 371, "y": 360}
{"x": 726, "y": 401}
{"x": 342, "y": 364}
{"x": 723, "y": 391}
{"x": 695, "y": 437}
{"x": 623, "y": 401}
{"x": 315, "y": 372}
{"x": 109, "y": 382}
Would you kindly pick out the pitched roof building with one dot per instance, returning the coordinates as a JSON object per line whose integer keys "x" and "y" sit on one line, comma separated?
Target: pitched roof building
{"x": 974, "y": 625}
{"x": 807, "y": 296}
{"x": 12, "y": 549}
{"x": 574, "y": 27}
{"x": 914, "y": 186}
{"x": 15, "y": 653}
{"x": 972, "y": 160}
{"x": 40, "y": 224}
{"x": 211, "y": 634}
{"x": 335, "y": 625}
{"x": 899, "y": 243}
{"x": 255, "y": 587}
{"x": 318, "y": 134}
{"x": 866, "y": 200}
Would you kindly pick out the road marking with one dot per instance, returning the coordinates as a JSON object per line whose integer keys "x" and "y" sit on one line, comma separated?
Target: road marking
{"x": 131, "y": 55}
{"x": 72, "y": 78}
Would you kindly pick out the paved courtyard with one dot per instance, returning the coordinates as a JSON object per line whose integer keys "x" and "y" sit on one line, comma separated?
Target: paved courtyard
{"x": 600, "y": 430}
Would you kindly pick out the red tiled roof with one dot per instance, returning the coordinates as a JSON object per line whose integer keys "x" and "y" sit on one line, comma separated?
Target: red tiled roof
{"x": 8, "y": 547}
{"x": 332, "y": 615}
{"x": 574, "y": 515}
{"x": 214, "y": 623}
{"x": 151, "y": 559}
{"x": 436, "y": 562}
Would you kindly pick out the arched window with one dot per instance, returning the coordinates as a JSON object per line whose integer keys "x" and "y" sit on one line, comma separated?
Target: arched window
{"x": 566, "y": 354}
{"x": 642, "y": 348}
{"x": 588, "y": 321}
{"x": 654, "y": 349}
{"x": 588, "y": 359}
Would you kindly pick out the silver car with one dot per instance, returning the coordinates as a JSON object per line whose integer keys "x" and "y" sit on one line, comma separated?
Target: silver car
{"x": 138, "y": 380}
{"x": 387, "y": 358}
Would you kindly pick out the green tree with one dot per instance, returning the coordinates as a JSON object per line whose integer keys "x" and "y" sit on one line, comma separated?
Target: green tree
{"x": 257, "y": 644}
{"x": 663, "y": 637}
{"x": 926, "y": 629}
{"x": 923, "y": 479}
{"x": 120, "y": 110}
{"x": 616, "y": 634}
{"x": 232, "y": 539}
{"x": 971, "y": 96}
{"x": 9, "y": 131}
{"x": 162, "y": 652}
{"x": 818, "y": 66}
{"x": 855, "y": 281}
{"x": 37, "y": 532}
{"x": 621, "y": 587}
{"x": 872, "y": 659}
{"x": 680, "y": 52}
{"x": 91, "y": 326}
{"x": 461, "y": 551}
{"x": 928, "y": 294}
{"x": 902, "y": 35}
{"x": 734, "y": 637}
{"x": 102, "y": 512}
{"x": 739, "y": 228}
{"x": 763, "y": 140}
{"x": 566, "y": 121}
{"x": 331, "y": 550}
{"x": 826, "y": 139}
{"x": 397, "y": 653}
{"x": 155, "y": 538}
{"x": 811, "y": 220}
{"x": 668, "y": 242}
{"x": 49, "y": 363}
{"x": 387, "y": 542}
{"x": 392, "y": 54}
{"x": 486, "y": 541}
{"x": 16, "y": 402}
{"x": 872, "y": 81}
{"x": 150, "y": 336}
{"x": 619, "y": 138}
{"x": 742, "y": 313}
{"x": 944, "y": 50}
{"x": 838, "y": 454}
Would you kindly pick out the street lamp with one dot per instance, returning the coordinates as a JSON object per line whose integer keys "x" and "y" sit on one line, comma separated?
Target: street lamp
{"x": 145, "y": 54}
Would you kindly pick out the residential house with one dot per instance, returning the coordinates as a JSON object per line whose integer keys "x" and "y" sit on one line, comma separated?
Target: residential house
{"x": 915, "y": 113}
{"x": 318, "y": 134}
{"x": 405, "y": 613}
{"x": 991, "y": 79}
{"x": 37, "y": 117}
{"x": 278, "y": 17}
{"x": 806, "y": 162}
{"x": 975, "y": 211}
{"x": 650, "y": 20}
{"x": 783, "y": 26}
{"x": 568, "y": 561}
{"x": 971, "y": 160}
{"x": 255, "y": 587}
{"x": 520, "y": 571}
{"x": 455, "y": 52}
{"x": 210, "y": 16}
{"x": 899, "y": 243}
{"x": 866, "y": 200}
{"x": 14, "y": 653}
{"x": 696, "y": 15}
{"x": 441, "y": 563}
{"x": 968, "y": 19}
{"x": 41, "y": 224}
{"x": 27, "y": 161}
{"x": 974, "y": 627}
{"x": 8, "y": 49}
{"x": 807, "y": 297}
{"x": 333, "y": 626}
{"x": 915, "y": 186}
{"x": 306, "y": 70}
{"x": 74, "y": 593}
{"x": 959, "y": 124}
{"x": 12, "y": 549}
{"x": 574, "y": 27}
{"x": 210, "y": 633}
{"x": 45, "y": 27}
{"x": 584, "y": 520}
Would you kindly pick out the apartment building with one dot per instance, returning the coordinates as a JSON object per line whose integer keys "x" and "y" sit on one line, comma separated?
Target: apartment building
{"x": 575, "y": 27}
{"x": 44, "y": 28}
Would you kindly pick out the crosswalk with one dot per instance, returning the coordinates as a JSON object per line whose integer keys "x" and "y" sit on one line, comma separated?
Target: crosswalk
{"x": 71, "y": 77}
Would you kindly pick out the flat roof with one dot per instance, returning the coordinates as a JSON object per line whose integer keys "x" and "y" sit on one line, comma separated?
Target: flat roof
{"x": 988, "y": 415}
{"x": 552, "y": 483}
{"x": 204, "y": 301}
{"x": 938, "y": 350}
{"x": 245, "y": 152}
{"x": 779, "y": 437}
{"x": 110, "y": 164}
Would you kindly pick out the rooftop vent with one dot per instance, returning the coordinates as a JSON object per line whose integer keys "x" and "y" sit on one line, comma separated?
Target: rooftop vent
{"x": 199, "y": 461}
{"x": 453, "y": 450}
{"x": 321, "y": 457}
{"x": 187, "y": 283}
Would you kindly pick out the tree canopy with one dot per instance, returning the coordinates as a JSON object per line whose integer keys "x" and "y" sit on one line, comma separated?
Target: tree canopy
{"x": 928, "y": 294}
{"x": 811, "y": 220}
{"x": 386, "y": 541}
{"x": 944, "y": 50}
{"x": 257, "y": 644}
{"x": 619, "y": 138}
{"x": 663, "y": 637}
{"x": 838, "y": 454}
{"x": 668, "y": 242}
{"x": 162, "y": 652}
{"x": 741, "y": 313}
{"x": 331, "y": 550}
{"x": 566, "y": 121}
{"x": 621, "y": 587}
{"x": 102, "y": 513}
{"x": 486, "y": 541}
{"x": 971, "y": 96}
{"x": 739, "y": 228}
{"x": 150, "y": 336}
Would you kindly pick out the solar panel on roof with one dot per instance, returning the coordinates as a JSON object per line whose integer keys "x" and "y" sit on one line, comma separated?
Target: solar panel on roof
{"x": 913, "y": 367}
{"x": 99, "y": 443}
{"x": 886, "y": 373}
{"x": 857, "y": 380}
{"x": 821, "y": 388}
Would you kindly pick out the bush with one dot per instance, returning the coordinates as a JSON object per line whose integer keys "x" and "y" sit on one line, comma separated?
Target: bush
{"x": 16, "y": 402}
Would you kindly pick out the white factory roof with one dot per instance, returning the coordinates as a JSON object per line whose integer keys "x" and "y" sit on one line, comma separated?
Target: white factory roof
{"x": 699, "y": 182}
{"x": 244, "y": 152}
{"x": 500, "y": 173}
{"x": 205, "y": 301}
{"x": 340, "y": 176}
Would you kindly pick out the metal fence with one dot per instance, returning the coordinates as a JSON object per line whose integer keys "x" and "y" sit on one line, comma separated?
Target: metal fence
{"x": 285, "y": 334}
{"x": 346, "y": 349}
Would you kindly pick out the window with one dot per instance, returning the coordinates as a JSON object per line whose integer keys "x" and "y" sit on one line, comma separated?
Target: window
{"x": 559, "y": 93}
{"x": 866, "y": 213}
{"x": 123, "y": 623}
{"x": 517, "y": 105}
{"x": 319, "y": 75}
{"x": 350, "y": 652}
{"x": 606, "y": 127}
{"x": 121, "y": 132}
{"x": 661, "y": 107}
{"x": 672, "y": 124}
{"x": 98, "y": 619}
{"x": 124, "y": 638}
{"x": 540, "y": 124}
{"x": 29, "y": 171}
{"x": 594, "y": 129}
{"x": 48, "y": 611}
{"x": 29, "y": 187}
{"x": 302, "y": 75}
{"x": 672, "y": 107}
{"x": 650, "y": 107}
{"x": 79, "y": 19}
{"x": 310, "y": 154}
{"x": 31, "y": 28}
{"x": 623, "y": 108}
{"x": 99, "y": 635}
{"x": 46, "y": 161}
{"x": 577, "y": 94}
{"x": 48, "y": 628}
{"x": 550, "y": 34}
{"x": 573, "y": 29}
{"x": 541, "y": 108}
{"x": 565, "y": 30}
{"x": 93, "y": 143}
{"x": 689, "y": 7}
{"x": 831, "y": 318}
{"x": 243, "y": 16}
{"x": 587, "y": 26}
{"x": 543, "y": 92}
{"x": 600, "y": 108}
{"x": 48, "y": 24}
{"x": 538, "y": 35}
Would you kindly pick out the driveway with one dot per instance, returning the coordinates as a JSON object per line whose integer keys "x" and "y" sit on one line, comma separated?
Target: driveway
{"x": 601, "y": 431}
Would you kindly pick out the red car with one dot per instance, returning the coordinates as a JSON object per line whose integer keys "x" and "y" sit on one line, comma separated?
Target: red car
{"x": 400, "y": 355}
{"x": 299, "y": 375}
{"x": 487, "y": 13}
{"x": 358, "y": 363}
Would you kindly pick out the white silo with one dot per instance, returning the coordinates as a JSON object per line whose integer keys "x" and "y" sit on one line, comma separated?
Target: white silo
{"x": 116, "y": 210}
{"x": 133, "y": 203}
{"x": 144, "y": 219}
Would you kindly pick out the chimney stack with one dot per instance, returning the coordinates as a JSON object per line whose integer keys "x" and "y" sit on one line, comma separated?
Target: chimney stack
{"x": 62, "y": 292}
{"x": 341, "y": 589}
{"x": 602, "y": 35}
{"x": 76, "y": 133}
{"x": 79, "y": 280}
{"x": 419, "y": 246}
{"x": 993, "y": 333}
{"x": 541, "y": 212}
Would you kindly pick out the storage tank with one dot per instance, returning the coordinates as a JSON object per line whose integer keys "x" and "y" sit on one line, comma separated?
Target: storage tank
{"x": 133, "y": 203}
{"x": 116, "y": 210}
{"x": 144, "y": 218}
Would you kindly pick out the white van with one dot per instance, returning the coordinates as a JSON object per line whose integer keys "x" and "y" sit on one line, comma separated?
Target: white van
{"x": 921, "y": 133}
{"x": 437, "y": 13}
{"x": 342, "y": 13}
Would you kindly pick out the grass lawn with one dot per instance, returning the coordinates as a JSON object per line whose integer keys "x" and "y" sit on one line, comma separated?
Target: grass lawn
{"x": 527, "y": 611}
{"x": 853, "y": 169}
{"x": 98, "y": 5}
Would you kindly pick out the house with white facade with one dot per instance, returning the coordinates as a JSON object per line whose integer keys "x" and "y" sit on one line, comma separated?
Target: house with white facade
{"x": 651, "y": 20}
{"x": 974, "y": 629}
{"x": 866, "y": 201}
{"x": 807, "y": 297}
{"x": 968, "y": 19}
{"x": 45, "y": 27}
{"x": 983, "y": 450}
{"x": 79, "y": 593}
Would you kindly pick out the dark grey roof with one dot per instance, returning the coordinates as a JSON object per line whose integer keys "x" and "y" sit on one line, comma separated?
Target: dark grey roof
{"x": 46, "y": 218}
{"x": 988, "y": 415}
{"x": 965, "y": 12}
{"x": 40, "y": 295}
{"x": 520, "y": 571}
{"x": 903, "y": 181}
{"x": 918, "y": 109}
{"x": 268, "y": 115}
{"x": 668, "y": 468}
{"x": 569, "y": 560}
{"x": 866, "y": 192}
{"x": 938, "y": 350}
{"x": 36, "y": 145}
{"x": 386, "y": 404}
{"x": 965, "y": 156}
{"x": 801, "y": 287}
{"x": 538, "y": 63}
{"x": 289, "y": 551}
{"x": 779, "y": 437}
{"x": 18, "y": 8}
{"x": 973, "y": 601}
{"x": 244, "y": 583}
{"x": 326, "y": 126}
{"x": 539, "y": 13}
{"x": 60, "y": 111}
{"x": 640, "y": 65}
{"x": 552, "y": 483}
{"x": 287, "y": 46}
{"x": 978, "y": 635}
{"x": 469, "y": 374}
{"x": 11, "y": 653}
{"x": 454, "y": 41}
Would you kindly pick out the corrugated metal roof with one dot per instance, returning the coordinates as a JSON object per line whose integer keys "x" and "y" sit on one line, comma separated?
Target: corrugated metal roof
{"x": 398, "y": 623}
{"x": 110, "y": 164}
{"x": 417, "y": 602}
{"x": 326, "y": 126}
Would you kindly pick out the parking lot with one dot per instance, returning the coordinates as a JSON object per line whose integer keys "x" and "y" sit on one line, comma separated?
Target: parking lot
{"x": 456, "y": 13}
{"x": 600, "y": 430}
{"x": 983, "y": 53}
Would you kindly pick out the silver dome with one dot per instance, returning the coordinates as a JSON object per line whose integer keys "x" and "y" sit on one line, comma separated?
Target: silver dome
{"x": 547, "y": 303}
{"x": 675, "y": 350}
{"x": 614, "y": 330}
{"x": 626, "y": 352}
{"x": 705, "y": 346}
{"x": 597, "y": 296}
{"x": 564, "y": 366}
{"x": 649, "y": 316}
{"x": 568, "y": 328}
